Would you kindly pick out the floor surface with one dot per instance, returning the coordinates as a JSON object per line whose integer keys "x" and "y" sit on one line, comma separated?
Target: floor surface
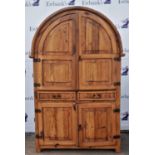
{"x": 30, "y": 148}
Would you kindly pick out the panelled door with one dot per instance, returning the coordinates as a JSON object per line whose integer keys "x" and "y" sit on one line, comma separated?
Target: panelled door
{"x": 96, "y": 124}
{"x": 76, "y": 70}
{"x": 97, "y": 47}
{"x": 57, "y": 124}
{"x": 55, "y": 69}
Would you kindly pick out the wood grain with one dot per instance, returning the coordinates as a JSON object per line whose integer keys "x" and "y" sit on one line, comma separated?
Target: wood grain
{"x": 77, "y": 52}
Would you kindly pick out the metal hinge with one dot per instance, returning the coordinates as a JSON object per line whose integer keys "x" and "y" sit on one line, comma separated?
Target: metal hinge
{"x": 56, "y": 145}
{"x": 122, "y": 54}
{"x": 35, "y": 94}
{"x": 116, "y": 136}
{"x": 116, "y": 110}
{"x": 80, "y": 58}
{"x": 117, "y": 59}
{"x": 36, "y": 84}
{"x": 40, "y": 136}
{"x": 117, "y": 83}
{"x": 74, "y": 106}
{"x": 36, "y": 60}
{"x": 38, "y": 110}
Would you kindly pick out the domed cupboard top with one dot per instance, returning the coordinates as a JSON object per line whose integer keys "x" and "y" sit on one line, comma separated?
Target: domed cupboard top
{"x": 76, "y": 61}
{"x": 80, "y": 22}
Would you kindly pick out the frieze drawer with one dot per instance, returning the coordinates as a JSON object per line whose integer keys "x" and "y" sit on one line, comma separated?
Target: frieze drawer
{"x": 104, "y": 95}
{"x": 43, "y": 96}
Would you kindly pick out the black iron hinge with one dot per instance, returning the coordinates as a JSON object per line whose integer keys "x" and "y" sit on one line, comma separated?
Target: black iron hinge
{"x": 40, "y": 136}
{"x": 35, "y": 94}
{"x": 36, "y": 60}
{"x": 36, "y": 84}
{"x": 56, "y": 145}
{"x": 38, "y": 110}
{"x": 79, "y": 127}
{"x": 117, "y": 83}
{"x": 74, "y": 106}
{"x": 117, "y": 59}
{"x": 116, "y": 136}
{"x": 116, "y": 110}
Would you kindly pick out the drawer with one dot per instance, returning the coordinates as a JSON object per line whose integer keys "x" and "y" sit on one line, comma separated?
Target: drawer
{"x": 43, "y": 96}
{"x": 101, "y": 95}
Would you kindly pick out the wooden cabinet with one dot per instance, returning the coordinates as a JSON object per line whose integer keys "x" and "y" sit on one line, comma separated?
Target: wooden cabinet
{"x": 76, "y": 59}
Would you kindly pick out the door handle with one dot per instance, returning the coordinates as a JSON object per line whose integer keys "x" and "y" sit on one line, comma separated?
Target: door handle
{"x": 79, "y": 127}
{"x": 74, "y": 106}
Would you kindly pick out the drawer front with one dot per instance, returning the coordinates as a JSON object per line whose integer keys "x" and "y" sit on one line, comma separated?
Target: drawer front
{"x": 43, "y": 96}
{"x": 102, "y": 95}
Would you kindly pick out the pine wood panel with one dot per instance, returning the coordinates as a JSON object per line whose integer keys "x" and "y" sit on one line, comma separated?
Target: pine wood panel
{"x": 96, "y": 35}
{"x": 96, "y": 121}
{"x": 62, "y": 32}
{"x": 58, "y": 74}
{"x": 95, "y": 74}
{"x": 58, "y": 124}
{"x": 59, "y": 37}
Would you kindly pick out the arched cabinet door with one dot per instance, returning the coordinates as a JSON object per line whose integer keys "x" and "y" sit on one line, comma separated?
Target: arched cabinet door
{"x": 56, "y": 51}
{"x": 97, "y": 48}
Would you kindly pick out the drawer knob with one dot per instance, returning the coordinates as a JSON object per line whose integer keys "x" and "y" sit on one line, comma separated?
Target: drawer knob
{"x": 58, "y": 96}
{"x": 54, "y": 96}
{"x": 96, "y": 96}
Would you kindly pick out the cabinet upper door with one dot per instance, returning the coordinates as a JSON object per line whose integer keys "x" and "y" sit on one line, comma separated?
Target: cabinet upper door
{"x": 76, "y": 51}
{"x": 96, "y": 74}
{"x": 97, "y": 36}
{"x": 56, "y": 49}
{"x": 97, "y": 49}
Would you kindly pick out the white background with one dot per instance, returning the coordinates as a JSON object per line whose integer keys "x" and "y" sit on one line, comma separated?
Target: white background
{"x": 116, "y": 11}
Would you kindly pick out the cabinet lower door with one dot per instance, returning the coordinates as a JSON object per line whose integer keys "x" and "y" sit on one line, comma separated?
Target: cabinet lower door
{"x": 96, "y": 124}
{"x": 57, "y": 123}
